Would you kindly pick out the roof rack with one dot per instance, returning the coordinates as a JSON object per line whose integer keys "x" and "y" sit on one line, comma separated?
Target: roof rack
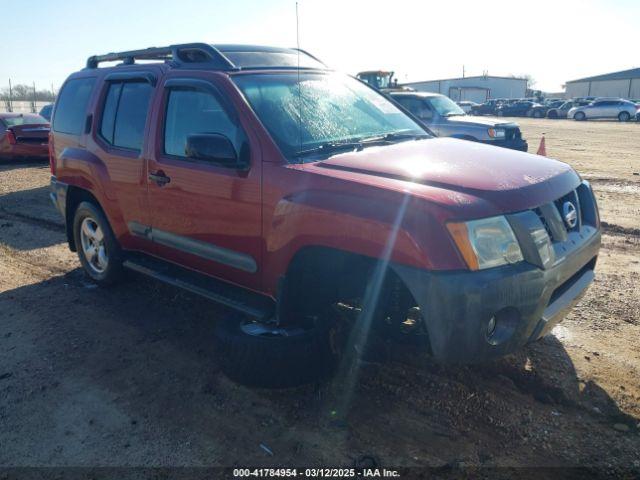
{"x": 186, "y": 54}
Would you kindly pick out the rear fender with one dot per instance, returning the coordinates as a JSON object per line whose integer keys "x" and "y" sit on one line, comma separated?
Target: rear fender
{"x": 81, "y": 169}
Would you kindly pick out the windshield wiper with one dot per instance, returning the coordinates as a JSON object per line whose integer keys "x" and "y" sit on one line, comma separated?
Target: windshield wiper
{"x": 330, "y": 147}
{"x": 391, "y": 137}
{"x": 359, "y": 144}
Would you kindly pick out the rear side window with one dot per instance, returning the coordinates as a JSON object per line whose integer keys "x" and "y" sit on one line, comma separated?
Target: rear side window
{"x": 71, "y": 106}
{"x": 125, "y": 113}
{"x": 194, "y": 111}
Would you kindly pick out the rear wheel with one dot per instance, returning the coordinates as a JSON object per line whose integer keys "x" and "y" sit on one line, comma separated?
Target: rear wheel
{"x": 580, "y": 116}
{"x": 552, "y": 114}
{"x": 98, "y": 250}
{"x": 624, "y": 116}
{"x": 538, "y": 114}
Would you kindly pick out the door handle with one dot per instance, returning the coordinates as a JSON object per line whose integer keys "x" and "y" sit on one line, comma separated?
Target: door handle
{"x": 159, "y": 177}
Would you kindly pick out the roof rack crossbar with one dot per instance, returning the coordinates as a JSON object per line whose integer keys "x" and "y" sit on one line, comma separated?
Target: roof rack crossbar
{"x": 174, "y": 53}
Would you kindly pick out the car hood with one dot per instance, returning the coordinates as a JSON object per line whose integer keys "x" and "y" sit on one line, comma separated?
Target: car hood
{"x": 475, "y": 121}
{"x": 472, "y": 178}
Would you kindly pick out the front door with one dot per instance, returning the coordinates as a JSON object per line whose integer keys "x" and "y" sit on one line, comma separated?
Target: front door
{"x": 205, "y": 215}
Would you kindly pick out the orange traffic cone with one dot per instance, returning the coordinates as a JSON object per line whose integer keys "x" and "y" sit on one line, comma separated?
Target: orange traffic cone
{"x": 542, "y": 149}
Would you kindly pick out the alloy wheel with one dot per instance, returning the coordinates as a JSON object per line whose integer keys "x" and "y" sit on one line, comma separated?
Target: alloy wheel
{"x": 93, "y": 246}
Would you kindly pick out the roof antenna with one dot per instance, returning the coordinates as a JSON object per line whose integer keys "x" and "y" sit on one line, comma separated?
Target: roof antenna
{"x": 299, "y": 87}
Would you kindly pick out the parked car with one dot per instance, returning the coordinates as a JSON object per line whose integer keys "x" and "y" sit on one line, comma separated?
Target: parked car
{"x": 467, "y": 105}
{"x": 486, "y": 108}
{"x": 22, "y": 136}
{"x": 446, "y": 119}
{"x": 229, "y": 172}
{"x": 517, "y": 109}
{"x": 45, "y": 112}
{"x": 562, "y": 110}
{"x": 623, "y": 110}
{"x": 540, "y": 111}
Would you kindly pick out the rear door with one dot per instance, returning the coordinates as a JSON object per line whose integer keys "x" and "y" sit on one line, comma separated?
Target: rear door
{"x": 121, "y": 124}
{"x": 603, "y": 108}
{"x": 205, "y": 215}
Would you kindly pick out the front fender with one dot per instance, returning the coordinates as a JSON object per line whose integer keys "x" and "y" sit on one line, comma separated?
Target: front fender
{"x": 374, "y": 227}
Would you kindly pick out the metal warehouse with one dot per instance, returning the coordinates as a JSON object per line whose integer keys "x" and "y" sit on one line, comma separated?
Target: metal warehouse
{"x": 477, "y": 89}
{"x": 625, "y": 84}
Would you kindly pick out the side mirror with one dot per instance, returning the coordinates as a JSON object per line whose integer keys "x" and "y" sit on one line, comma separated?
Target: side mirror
{"x": 213, "y": 147}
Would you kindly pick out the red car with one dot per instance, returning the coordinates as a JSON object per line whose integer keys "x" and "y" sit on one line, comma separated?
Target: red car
{"x": 314, "y": 206}
{"x": 23, "y": 135}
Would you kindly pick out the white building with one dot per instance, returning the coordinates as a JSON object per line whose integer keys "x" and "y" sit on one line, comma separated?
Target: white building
{"x": 624, "y": 84}
{"x": 476, "y": 89}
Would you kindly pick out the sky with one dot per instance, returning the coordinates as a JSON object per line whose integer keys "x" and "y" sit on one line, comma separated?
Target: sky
{"x": 551, "y": 40}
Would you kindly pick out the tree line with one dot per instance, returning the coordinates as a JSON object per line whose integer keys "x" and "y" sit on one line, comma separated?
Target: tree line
{"x": 21, "y": 92}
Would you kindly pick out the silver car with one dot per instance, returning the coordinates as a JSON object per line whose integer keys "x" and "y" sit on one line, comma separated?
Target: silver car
{"x": 446, "y": 119}
{"x": 619, "y": 108}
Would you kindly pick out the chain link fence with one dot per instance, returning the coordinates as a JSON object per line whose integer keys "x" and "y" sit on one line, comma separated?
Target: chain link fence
{"x": 22, "y": 106}
{"x": 23, "y": 98}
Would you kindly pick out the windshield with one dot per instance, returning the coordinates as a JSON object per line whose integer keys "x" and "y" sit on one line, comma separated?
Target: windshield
{"x": 24, "y": 120}
{"x": 322, "y": 109}
{"x": 445, "y": 106}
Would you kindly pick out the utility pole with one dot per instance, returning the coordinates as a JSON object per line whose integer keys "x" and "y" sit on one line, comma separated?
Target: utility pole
{"x": 33, "y": 107}
{"x": 10, "y": 94}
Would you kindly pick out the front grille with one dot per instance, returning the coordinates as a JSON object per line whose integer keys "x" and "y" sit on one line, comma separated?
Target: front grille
{"x": 540, "y": 215}
{"x": 556, "y": 224}
{"x": 513, "y": 133}
{"x": 571, "y": 197}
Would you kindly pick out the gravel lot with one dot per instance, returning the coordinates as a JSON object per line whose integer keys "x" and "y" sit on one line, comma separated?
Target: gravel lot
{"x": 127, "y": 376}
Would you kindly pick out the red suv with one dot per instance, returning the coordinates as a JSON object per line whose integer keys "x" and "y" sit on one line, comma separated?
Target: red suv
{"x": 315, "y": 207}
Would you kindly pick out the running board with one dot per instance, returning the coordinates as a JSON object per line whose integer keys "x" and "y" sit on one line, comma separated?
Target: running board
{"x": 245, "y": 301}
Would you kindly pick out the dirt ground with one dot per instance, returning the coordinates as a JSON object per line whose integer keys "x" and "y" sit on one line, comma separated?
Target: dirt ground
{"x": 127, "y": 376}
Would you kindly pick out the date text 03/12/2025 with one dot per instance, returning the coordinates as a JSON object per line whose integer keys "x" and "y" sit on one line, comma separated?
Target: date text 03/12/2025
{"x": 316, "y": 472}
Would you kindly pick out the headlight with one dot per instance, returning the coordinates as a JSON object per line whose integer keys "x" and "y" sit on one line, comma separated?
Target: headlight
{"x": 496, "y": 132}
{"x": 486, "y": 243}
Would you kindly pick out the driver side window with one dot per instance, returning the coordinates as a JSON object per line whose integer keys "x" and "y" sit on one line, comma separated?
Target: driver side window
{"x": 191, "y": 111}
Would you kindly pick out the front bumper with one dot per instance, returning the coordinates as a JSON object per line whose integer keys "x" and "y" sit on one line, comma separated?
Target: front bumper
{"x": 515, "y": 144}
{"x": 526, "y": 299}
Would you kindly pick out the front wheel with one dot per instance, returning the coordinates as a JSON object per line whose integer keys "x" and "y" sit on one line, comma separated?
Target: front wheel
{"x": 580, "y": 116}
{"x": 98, "y": 250}
{"x": 624, "y": 116}
{"x": 274, "y": 356}
{"x": 538, "y": 114}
